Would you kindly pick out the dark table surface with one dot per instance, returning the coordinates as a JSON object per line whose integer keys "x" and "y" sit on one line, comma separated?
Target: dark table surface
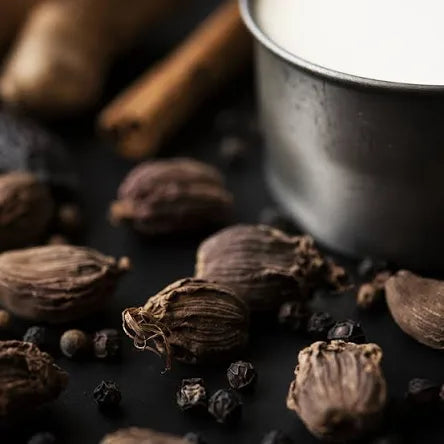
{"x": 149, "y": 396}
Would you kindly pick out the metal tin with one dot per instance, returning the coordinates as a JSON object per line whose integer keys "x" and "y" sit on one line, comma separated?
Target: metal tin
{"x": 358, "y": 162}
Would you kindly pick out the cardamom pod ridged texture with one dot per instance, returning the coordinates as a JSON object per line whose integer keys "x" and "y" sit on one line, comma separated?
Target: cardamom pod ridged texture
{"x": 263, "y": 265}
{"x": 417, "y": 306}
{"x": 26, "y": 209}
{"x": 28, "y": 377}
{"x": 57, "y": 283}
{"x": 136, "y": 435}
{"x": 191, "y": 320}
{"x": 172, "y": 196}
{"x": 339, "y": 390}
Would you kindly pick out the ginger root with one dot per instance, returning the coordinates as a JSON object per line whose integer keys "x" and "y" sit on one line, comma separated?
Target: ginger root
{"x": 60, "y": 60}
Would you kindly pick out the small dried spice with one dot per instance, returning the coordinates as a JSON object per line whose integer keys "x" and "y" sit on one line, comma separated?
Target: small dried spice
{"x": 75, "y": 344}
{"x": 371, "y": 293}
{"x": 38, "y": 336}
{"x": 339, "y": 391}
{"x": 28, "y": 377}
{"x": 135, "y": 435}
{"x": 191, "y": 320}
{"x": 276, "y": 437}
{"x": 170, "y": 196}
{"x": 293, "y": 315}
{"x": 192, "y": 395}
{"x": 107, "y": 344}
{"x": 423, "y": 392}
{"x": 241, "y": 375}
{"x": 348, "y": 331}
{"x": 225, "y": 406}
{"x": 5, "y": 320}
{"x": 264, "y": 266}
{"x": 26, "y": 209}
{"x": 107, "y": 395}
{"x": 57, "y": 283}
{"x": 319, "y": 324}
{"x": 42, "y": 438}
{"x": 417, "y": 306}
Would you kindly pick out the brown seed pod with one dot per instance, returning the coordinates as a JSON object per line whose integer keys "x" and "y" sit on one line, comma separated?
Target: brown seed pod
{"x": 339, "y": 391}
{"x": 26, "y": 209}
{"x": 191, "y": 320}
{"x": 57, "y": 283}
{"x": 28, "y": 378}
{"x": 263, "y": 265}
{"x": 135, "y": 435}
{"x": 417, "y": 306}
{"x": 170, "y": 196}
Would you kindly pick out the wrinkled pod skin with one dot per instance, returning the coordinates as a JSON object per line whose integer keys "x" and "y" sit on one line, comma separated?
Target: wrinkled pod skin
{"x": 191, "y": 320}
{"x": 28, "y": 378}
{"x": 417, "y": 306}
{"x": 26, "y": 209}
{"x": 57, "y": 283}
{"x": 172, "y": 196}
{"x": 339, "y": 391}
{"x": 263, "y": 265}
{"x": 135, "y": 435}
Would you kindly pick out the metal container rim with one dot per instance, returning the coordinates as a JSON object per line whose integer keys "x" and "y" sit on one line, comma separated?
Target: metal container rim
{"x": 247, "y": 12}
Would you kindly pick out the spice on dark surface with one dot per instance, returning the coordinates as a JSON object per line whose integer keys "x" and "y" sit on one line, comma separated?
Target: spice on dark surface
{"x": 348, "y": 331}
{"x": 5, "y": 320}
{"x": 42, "y": 438}
{"x": 75, "y": 344}
{"x": 38, "y": 336}
{"x": 107, "y": 344}
{"x": 217, "y": 322}
{"x": 293, "y": 315}
{"x": 107, "y": 395}
{"x": 194, "y": 438}
{"x": 371, "y": 294}
{"x": 192, "y": 395}
{"x": 339, "y": 391}
{"x": 319, "y": 324}
{"x": 276, "y": 437}
{"x": 241, "y": 375}
{"x": 422, "y": 392}
{"x": 276, "y": 218}
{"x": 225, "y": 406}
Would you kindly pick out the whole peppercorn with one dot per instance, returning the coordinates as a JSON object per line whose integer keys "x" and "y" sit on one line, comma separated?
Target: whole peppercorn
{"x": 38, "y": 336}
{"x": 422, "y": 392}
{"x": 194, "y": 438}
{"x": 319, "y": 324}
{"x": 107, "y": 395}
{"x": 293, "y": 315}
{"x": 107, "y": 344}
{"x": 225, "y": 406}
{"x": 192, "y": 394}
{"x": 276, "y": 437}
{"x": 5, "y": 320}
{"x": 75, "y": 344}
{"x": 42, "y": 438}
{"x": 349, "y": 331}
{"x": 241, "y": 375}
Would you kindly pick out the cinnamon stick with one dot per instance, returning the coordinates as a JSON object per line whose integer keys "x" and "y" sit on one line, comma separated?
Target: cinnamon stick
{"x": 158, "y": 103}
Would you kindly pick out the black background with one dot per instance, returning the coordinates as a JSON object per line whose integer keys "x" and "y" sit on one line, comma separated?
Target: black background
{"x": 149, "y": 396}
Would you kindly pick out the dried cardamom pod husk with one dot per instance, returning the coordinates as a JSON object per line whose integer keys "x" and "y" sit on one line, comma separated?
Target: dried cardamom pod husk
{"x": 173, "y": 195}
{"x": 57, "y": 283}
{"x": 339, "y": 391}
{"x": 191, "y": 320}
{"x": 264, "y": 266}
{"x": 26, "y": 209}
{"x": 417, "y": 306}
{"x": 28, "y": 378}
{"x": 135, "y": 435}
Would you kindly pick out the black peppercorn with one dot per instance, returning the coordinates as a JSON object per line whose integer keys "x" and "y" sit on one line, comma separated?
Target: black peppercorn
{"x": 349, "y": 331}
{"x": 192, "y": 394}
{"x": 241, "y": 375}
{"x": 422, "y": 392}
{"x": 194, "y": 438}
{"x": 107, "y": 344}
{"x": 225, "y": 406}
{"x": 75, "y": 344}
{"x": 107, "y": 395}
{"x": 42, "y": 438}
{"x": 275, "y": 218}
{"x": 276, "y": 437}
{"x": 293, "y": 315}
{"x": 38, "y": 336}
{"x": 319, "y": 324}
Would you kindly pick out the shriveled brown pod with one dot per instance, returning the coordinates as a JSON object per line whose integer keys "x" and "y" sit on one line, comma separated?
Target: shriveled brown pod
{"x": 136, "y": 435}
{"x": 417, "y": 306}
{"x": 263, "y": 265}
{"x": 339, "y": 391}
{"x": 28, "y": 378}
{"x": 57, "y": 283}
{"x": 191, "y": 320}
{"x": 26, "y": 209}
{"x": 172, "y": 196}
